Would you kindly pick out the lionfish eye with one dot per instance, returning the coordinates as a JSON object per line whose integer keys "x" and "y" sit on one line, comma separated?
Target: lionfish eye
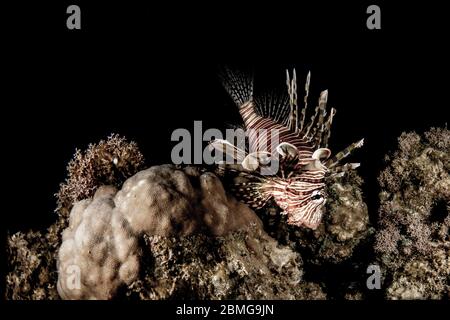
{"x": 317, "y": 196}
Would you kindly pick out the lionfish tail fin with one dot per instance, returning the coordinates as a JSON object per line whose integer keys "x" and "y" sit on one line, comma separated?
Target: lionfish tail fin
{"x": 239, "y": 85}
{"x": 344, "y": 154}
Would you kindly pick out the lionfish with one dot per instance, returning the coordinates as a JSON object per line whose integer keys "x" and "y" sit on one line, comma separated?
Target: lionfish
{"x": 298, "y": 184}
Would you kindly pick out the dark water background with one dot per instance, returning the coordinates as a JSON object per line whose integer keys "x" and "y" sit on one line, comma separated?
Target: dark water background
{"x": 143, "y": 71}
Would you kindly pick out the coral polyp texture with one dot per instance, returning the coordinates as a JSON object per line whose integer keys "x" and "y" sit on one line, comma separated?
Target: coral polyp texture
{"x": 98, "y": 248}
{"x": 413, "y": 240}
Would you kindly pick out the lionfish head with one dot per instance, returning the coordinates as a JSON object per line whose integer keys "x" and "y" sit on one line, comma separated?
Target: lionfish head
{"x": 310, "y": 213}
{"x": 303, "y": 198}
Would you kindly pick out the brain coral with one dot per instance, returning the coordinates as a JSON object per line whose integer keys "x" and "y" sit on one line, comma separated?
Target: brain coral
{"x": 99, "y": 250}
{"x": 100, "y": 246}
{"x": 165, "y": 201}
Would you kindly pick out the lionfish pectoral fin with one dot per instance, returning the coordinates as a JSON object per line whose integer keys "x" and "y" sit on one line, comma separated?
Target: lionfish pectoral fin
{"x": 251, "y": 193}
{"x": 289, "y": 156}
{"x": 256, "y": 159}
{"x": 341, "y": 170}
{"x": 228, "y": 150}
{"x": 286, "y": 149}
{"x": 321, "y": 154}
{"x": 311, "y": 164}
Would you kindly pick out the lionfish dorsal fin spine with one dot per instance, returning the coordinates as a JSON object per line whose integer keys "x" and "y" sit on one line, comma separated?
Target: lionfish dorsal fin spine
{"x": 311, "y": 123}
{"x": 327, "y": 129}
{"x": 292, "y": 91}
{"x": 344, "y": 154}
{"x": 305, "y": 102}
{"x": 319, "y": 128}
{"x": 238, "y": 85}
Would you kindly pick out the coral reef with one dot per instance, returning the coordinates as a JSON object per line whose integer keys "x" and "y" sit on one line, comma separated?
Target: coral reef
{"x": 164, "y": 200}
{"x": 413, "y": 241}
{"x": 32, "y": 264}
{"x": 201, "y": 240}
{"x": 101, "y": 240}
{"x": 195, "y": 240}
{"x": 345, "y": 224}
{"x": 329, "y": 251}
{"x": 99, "y": 250}
{"x": 108, "y": 162}
{"x": 173, "y": 233}
{"x": 245, "y": 264}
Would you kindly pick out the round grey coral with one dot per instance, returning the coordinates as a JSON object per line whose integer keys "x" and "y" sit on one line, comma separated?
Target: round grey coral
{"x": 99, "y": 250}
{"x": 101, "y": 242}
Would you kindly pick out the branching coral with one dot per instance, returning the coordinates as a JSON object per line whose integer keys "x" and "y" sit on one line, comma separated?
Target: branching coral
{"x": 109, "y": 162}
{"x": 413, "y": 239}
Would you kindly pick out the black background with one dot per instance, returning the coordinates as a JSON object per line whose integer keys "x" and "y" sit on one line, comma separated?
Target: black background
{"x": 143, "y": 70}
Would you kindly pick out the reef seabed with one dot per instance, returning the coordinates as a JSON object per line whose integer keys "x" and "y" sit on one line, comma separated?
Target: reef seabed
{"x": 171, "y": 232}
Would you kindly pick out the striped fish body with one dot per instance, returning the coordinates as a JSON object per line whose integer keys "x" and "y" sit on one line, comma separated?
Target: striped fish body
{"x": 301, "y": 198}
{"x": 278, "y": 131}
{"x": 261, "y": 130}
